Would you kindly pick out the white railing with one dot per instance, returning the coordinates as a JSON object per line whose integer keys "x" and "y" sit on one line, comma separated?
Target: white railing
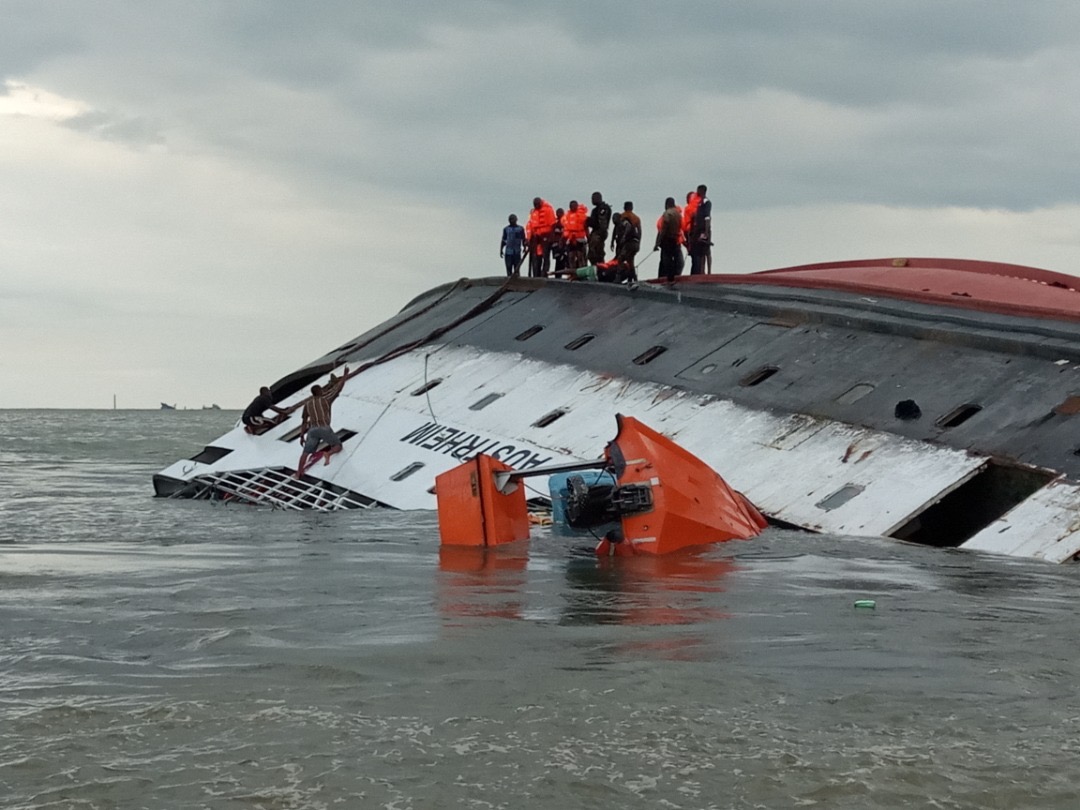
{"x": 276, "y": 487}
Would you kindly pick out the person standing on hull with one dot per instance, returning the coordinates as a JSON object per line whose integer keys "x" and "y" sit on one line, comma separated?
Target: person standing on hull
{"x": 700, "y": 240}
{"x": 574, "y": 235}
{"x": 538, "y": 233}
{"x": 688, "y": 211}
{"x": 512, "y": 246}
{"x": 558, "y": 247}
{"x": 626, "y": 237}
{"x": 315, "y": 426}
{"x": 253, "y": 419}
{"x": 598, "y": 222}
{"x": 669, "y": 241}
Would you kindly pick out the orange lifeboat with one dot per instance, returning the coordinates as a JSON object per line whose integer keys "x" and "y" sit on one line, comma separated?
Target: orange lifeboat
{"x": 669, "y": 499}
{"x": 664, "y": 499}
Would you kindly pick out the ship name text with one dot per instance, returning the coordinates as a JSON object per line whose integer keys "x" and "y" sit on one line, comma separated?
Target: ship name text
{"x": 461, "y": 445}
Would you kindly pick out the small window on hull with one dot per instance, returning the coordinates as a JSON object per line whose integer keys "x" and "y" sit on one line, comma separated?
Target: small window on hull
{"x": 423, "y": 389}
{"x": 574, "y": 345}
{"x": 404, "y": 473}
{"x": 649, "y": 355}
{"x": 528, "y": 333}
{"x": 211, "y": 454}
{"x": 855, "y": 393}
{"x": 759, "y": 376}
{"x": 483, "y": 402}
{"x": 344, "y": 435}
{"x": 548, "y": 418}
{"x": 957, "y": 416}
{"x": 840, "y": 497}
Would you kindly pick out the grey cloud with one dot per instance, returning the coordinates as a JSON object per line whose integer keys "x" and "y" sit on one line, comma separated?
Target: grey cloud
{"x": 129, "y": 130}
{"x": 898, "y": 103}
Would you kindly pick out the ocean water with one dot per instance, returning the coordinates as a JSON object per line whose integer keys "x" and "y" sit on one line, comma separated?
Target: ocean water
{"x": 172, "y": 654}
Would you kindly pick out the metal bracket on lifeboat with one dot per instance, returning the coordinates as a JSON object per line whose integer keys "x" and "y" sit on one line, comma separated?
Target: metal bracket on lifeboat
{"x": 506, "y": 481}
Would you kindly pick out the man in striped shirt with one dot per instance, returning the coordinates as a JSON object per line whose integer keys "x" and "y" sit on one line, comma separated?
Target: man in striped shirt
{"x": 315, "y": 426}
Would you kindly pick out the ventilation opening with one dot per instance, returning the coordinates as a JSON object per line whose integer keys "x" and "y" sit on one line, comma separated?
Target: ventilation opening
{"x": 574, "y": 345}
{"x": 957, "y": 416}
{"x": 548, "y": 418}
{"x": 423, "y": 389}
{"x": 482, "y": 403}
{"x": 528, "y": 333}
{"x": 211, "y": 454}
{"x": 759, "y": 376}
{"x": 973, "y": 506}
{"x": 402, "y": 474}
{"x": 649, "y": 355}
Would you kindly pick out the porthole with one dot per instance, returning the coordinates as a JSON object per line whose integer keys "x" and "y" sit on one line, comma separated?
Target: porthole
{"x": 959, "y": 415}
{"x": 528, "y": 333}
{"x": 483, "y": 402}
{"x": 759, "y": 376}
{"x": 550, "y": 417}
{"x": 423, "y": 389}
{"x": 404, "y": 473}
{"x": 649, "y": 355}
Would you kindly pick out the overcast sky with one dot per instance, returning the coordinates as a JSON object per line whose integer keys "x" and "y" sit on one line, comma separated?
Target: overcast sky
{"x": 196, "y": 198}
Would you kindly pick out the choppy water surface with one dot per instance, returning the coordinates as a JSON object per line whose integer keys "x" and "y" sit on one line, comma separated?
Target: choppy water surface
{"x": 165, "y": 654}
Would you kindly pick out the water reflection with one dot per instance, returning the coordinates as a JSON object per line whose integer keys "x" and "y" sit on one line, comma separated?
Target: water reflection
{"x": 485, "y": 582}
{"x": 647, "y": 591}
{"x": 669, "y": 589}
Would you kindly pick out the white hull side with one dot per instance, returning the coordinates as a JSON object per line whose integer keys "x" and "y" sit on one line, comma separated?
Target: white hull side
{"x": 818, "y": 474}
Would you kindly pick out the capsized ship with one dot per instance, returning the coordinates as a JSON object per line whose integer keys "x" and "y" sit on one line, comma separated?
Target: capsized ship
{"x": 930, "y": 400}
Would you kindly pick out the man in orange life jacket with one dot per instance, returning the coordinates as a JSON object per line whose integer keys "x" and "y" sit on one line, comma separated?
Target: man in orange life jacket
{"x": 575, "y": 235}
{"x": 692, "y": 201}
{"x": 669, "y": 241}
{"x": 597, "y": 223}
{"x": 538, "y": 233}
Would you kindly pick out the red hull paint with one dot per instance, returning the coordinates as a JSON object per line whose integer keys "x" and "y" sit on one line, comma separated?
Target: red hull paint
{"x": 1008, "y": 289}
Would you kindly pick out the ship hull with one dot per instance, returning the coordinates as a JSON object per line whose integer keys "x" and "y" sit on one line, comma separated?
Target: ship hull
{"x": 791, "y": 394}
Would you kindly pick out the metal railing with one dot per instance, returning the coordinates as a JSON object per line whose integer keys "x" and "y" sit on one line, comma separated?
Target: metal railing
{"x": 274, "y": 486}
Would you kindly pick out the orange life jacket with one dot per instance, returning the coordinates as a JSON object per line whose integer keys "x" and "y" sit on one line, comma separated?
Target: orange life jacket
{"x": 541, "y": 220}
{"x": 574, "y": 224}
{"x": 688, "y": 214}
